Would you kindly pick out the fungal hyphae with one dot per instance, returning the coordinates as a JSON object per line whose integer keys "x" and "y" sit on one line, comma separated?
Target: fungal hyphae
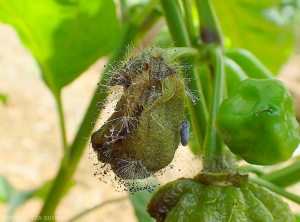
{"x": 141, "y": 136}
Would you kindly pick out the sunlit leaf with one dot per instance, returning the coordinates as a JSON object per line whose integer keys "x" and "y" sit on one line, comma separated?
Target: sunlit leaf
{"x": 262, "y": 27}
{"x": 65, "y": 36}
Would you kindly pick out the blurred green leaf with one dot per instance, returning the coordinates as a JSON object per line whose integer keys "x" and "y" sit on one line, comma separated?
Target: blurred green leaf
{"x": 6, "y": 190}
{"x": 3, "y": 98}
{"x": 297, "y": 217}
{"x": 17, "y": 198}
{"x": 150, "y": 20}
{"x": 262, "y": 27}
{"x": 139, "y": 201}
{"x": 14, "y": 198}
{"x": 11, "y": 196}
{"x": 65, "y": 36}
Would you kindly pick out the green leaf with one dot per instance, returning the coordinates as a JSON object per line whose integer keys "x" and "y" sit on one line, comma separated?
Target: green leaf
{"x": 139, "y": 201}
{"x": 297, "y": 217}
{"x": 3, "y": 98}
{"x": 11, "y": 196}
{"x": 18, "y": 198}
{"x": 14, "y": 198}
{"x": 6, "y": 190}
{"x": 262, "y": 27}
{"x": 65, "y": 36}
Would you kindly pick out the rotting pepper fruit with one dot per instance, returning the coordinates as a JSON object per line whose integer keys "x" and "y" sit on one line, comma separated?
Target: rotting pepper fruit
{"x": 257, "y": 122}
{"x": 144, "y": 131}
{"x": 217, "y": 197}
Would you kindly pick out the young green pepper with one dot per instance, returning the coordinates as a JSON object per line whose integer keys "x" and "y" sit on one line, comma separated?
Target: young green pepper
{"x": 217, "y": 197}
{"x": 257, "y": 121}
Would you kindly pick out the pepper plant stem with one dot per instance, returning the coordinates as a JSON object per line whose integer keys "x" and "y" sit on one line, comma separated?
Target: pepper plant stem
{"x": 284, "y": 177}
{"x": 188, "y": 18}
{"x": 62, "y": 125}
{"x": 213, "y": 146}
{"x": 210, "y": 30}
{"x": 198, "y": 112}
{"x": 68, "y": 165}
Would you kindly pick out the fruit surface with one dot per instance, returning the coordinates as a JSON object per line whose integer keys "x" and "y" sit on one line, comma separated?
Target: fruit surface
{"x": 257, "y": 122}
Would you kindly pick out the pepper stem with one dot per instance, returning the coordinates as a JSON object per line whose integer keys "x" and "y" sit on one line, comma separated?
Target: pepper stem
{"x": 198, "y": 112}
{"x": 214, "y": 156}
{"x": 210, "y": 30}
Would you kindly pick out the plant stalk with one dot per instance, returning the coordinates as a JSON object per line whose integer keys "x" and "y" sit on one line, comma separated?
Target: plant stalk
{"x": 67, "y": 168}
{"x": 213, "y": 157}
{"x": 210, "y": 30}
{"x": 284, "y": 177}
{"x": 188, "y": 18}
{"x": 178, "y": 31}
{"x": 62, "y": 125}
{"x": 276, "y": 189}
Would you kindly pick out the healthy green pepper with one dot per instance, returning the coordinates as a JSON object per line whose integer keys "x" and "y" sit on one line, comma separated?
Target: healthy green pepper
{"x": 217, "y": 197}
{"x": 257, "y": 121}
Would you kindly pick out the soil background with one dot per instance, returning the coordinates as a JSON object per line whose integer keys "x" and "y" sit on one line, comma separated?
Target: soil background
{"x": 30, "y": 143}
